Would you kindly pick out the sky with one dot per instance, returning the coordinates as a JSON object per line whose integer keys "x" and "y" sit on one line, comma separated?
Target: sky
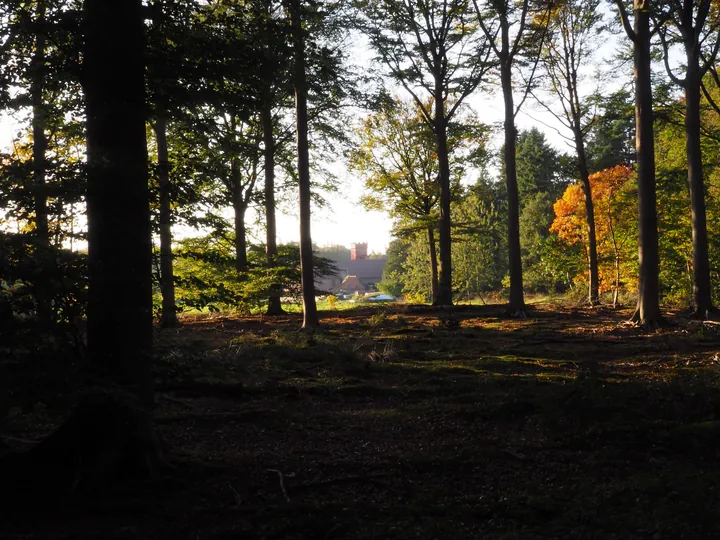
{"x": 344, "y": 220}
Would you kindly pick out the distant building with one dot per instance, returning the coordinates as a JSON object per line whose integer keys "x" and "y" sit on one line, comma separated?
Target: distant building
{"x": 359, "y": 274}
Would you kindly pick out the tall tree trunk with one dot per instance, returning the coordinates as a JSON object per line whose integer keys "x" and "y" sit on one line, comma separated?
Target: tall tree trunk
{"x": 616, "y": 291}
{"x": 240, "y": 207}
{"x": 310, "y": 315}
{"x": 443, "y": 295}
{"x": 42, "y": 232}
{"x": 168, "y": 318}
{"x": 120, "y": 332}
{"x": 516, "y": 306}
{"x": 701, "y": 264}
{"x": 648, "y": 308}
{"x": 594, "y": 275}
{"x": 274, "y": 306}
{"x": 109, "y": 436}
{"x": 433, "y": 262}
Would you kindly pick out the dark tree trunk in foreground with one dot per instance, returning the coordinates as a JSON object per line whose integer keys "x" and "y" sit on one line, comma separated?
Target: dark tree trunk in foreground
{"x": 594, "y": 274}
{"x": 310, "y": 315}
{"x": 516, "y": 306}
{"x": 42, "y": 232}
{"x": 648, "y": 308}
{"x": 119, "y": 241}
{"x": 239, "y": 207}
{"x": 274, "y": 306}
{"x": 443, "y": 297}
{"x": 167, "y": 284}
{"x": 433, "y": 262}
{"x": 109, "y": 436}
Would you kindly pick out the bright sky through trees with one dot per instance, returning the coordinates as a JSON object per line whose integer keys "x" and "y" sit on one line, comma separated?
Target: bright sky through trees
{"x": 344, "y": 220}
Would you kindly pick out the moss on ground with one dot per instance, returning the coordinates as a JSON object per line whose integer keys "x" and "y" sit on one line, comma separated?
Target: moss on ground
{"x": 400, "y": 424}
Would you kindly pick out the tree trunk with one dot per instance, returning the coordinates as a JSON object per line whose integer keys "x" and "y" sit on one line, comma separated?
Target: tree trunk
{"x": 701, "y": 264}
{"x": 594, "y": 275}
{"x": 42, "y": 232}
{"x": 109, "y": 437}
{"x": 274, "y": 306}
{"x": 120, "y": 331}
{"x": 240, "y": 207}
{"x": 616, "y": 292}
{"x": 433, "y": 263}
{"x": 310, "y": 315}
{"x": 443, "y": 295}
{"x": 168, "y": 318}
{"x": 516, "y": 306}
{"x": 648, "y": 308}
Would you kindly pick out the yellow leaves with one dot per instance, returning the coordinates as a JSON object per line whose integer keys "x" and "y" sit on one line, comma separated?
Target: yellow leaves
{"x": 569, "y": 223}
{"x": 611, "y": 216}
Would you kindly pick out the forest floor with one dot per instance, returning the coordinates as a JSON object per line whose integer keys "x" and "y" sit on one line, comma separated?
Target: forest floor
{"x": 397, "y": 423}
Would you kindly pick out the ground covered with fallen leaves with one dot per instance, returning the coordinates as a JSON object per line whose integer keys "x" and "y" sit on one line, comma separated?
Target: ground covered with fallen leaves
{"x": 395, "y": 423}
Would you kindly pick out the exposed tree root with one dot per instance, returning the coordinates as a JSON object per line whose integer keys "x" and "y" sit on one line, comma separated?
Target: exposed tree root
{"x": 106, "y": 440}
{"x": 649, "y": 323}
{"x": 517, "y": 313}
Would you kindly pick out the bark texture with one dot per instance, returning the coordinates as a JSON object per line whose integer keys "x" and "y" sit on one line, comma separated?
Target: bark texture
{"x": 310, "y": 315}
{"x": 274, "y": 306}
{"x": 516, "y": 306}
{"x": 443, "y": 296}
{"x": 648, "y": 308}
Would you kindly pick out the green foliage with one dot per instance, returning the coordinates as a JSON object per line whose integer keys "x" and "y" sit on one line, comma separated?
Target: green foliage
{"x": 611, "y": 140}
{"x": 25, "y": 265}
{"x": 544, "y": 267}
{"x": 415, "y": 298}
{"x": 206, "y": 277}
{"x": 479, "y": 247}
{"x": 539, "y": 168}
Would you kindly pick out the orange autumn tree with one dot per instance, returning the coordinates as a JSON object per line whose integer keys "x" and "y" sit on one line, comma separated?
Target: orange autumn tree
{"x": 615, "y": 216}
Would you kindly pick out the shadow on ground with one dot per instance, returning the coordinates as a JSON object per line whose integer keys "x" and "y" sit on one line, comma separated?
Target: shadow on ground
{"x": 425, "y": 424}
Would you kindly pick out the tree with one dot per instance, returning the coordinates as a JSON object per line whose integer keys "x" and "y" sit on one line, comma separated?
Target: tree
{"x": 690, "y": 23}
{"x": 479, "y": 239}
{"x": 539, "y": 169}
{"x": 430, "y": 48}
{"x": 310, "y": 316}
{"x": 396, "y": 158}
{"x": 497, "y": 19}
{"x": 401, "y": 171}
{"x": 168, "y": 318}
{"x": 569, "y": 48}
{"x": 119, "y": 245}
{"x": 614, "y": 219}
{"x": 38, "y": 82}
{"x": 108, "y": 431}
{"x": 172, "y": 55}
{"x": 611, "y": 140}
{"x": 648, "y": 308}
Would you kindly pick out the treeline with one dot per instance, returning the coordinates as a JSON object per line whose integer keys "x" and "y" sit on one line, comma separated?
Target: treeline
{"x": 243, "y": 103}
{"x": 549, "y": 239}
{"x": 231, "y": 91}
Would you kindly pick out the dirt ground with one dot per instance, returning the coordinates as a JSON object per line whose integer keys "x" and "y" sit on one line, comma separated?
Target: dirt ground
{"x": 395, "y": 423}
